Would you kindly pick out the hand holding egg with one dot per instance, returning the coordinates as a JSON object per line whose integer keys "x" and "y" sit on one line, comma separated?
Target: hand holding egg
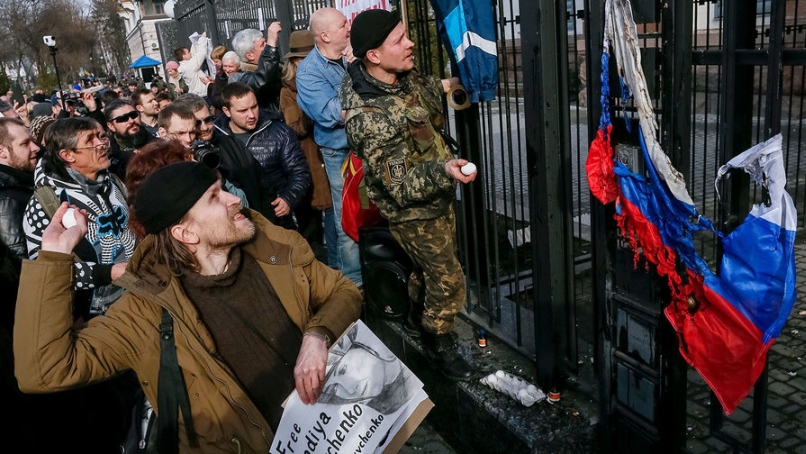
{"x": 69, "y": 218}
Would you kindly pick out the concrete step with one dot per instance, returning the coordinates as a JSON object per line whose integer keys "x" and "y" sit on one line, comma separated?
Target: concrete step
{"x": 473, "y": 418}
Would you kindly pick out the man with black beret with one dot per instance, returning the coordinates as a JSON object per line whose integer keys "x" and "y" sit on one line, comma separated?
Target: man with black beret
{"x": 251, "y": 311}
{"x": 393, "y": 122}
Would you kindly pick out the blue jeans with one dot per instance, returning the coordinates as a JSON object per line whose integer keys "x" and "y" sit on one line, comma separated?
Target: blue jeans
{"x": 331, "y": 238}
{"x": 348, "y": 259}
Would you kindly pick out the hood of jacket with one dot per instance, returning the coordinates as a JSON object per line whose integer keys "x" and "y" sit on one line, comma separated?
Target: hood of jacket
{"x": 290, "y": 84}
{"x": 368, "y": 87}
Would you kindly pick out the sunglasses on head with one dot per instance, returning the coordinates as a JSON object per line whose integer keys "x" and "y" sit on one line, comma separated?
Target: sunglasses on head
{"x": 126, "y": 117}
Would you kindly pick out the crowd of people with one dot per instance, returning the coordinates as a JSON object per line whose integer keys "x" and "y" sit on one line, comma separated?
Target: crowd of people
{"x": 138, "y": 225}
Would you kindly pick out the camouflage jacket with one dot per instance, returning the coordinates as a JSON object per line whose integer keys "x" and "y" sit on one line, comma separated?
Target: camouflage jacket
{"x": 394, "y": 129}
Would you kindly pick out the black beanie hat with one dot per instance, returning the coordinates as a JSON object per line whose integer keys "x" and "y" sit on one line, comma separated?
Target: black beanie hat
{"x": 370, "y": 29}
{"x": 168, "y": 193}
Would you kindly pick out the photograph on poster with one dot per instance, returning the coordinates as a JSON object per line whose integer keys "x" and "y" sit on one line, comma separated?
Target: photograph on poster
{"x": 359, "y": 373}
{"x": 368, "y": 399}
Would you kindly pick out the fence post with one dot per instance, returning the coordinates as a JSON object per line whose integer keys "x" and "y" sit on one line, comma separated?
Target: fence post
{"x": 212, "y": 21}
{"x": 544, "y": 52}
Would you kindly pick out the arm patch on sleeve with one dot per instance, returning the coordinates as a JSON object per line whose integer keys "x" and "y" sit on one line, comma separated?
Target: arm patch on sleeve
{"x": 396, "y": 170}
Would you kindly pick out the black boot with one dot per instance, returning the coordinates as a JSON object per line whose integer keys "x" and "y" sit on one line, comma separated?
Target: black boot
{"x": 441, "y": 351}
{"x": 412, "y": 324}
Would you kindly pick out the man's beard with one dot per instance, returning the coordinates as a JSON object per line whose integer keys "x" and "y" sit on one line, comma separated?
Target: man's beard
{"x": 25, "y": 165}
{"x": 133, "y": 130}
{"x": 208, "y": 136}
{"x": 232, "y": 234}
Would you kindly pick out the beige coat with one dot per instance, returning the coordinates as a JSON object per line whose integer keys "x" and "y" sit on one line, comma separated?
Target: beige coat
{"x": 303, "y": 126}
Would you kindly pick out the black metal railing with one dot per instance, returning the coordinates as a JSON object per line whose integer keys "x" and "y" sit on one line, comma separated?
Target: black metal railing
{"x": 541, "y": 124}
{"x": 221, "y": 19}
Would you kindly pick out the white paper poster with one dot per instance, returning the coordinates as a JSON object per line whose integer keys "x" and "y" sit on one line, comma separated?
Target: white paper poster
{"x": 368, "y": 396}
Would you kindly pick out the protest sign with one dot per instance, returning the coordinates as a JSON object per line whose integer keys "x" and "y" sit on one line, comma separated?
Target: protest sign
{"x": 371, "y": 402}
{"x": 351, "y": 8}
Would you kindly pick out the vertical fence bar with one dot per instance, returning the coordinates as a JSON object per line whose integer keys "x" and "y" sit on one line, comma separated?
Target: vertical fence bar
{"x": 736, "y": 136}
{"x": 548, "y": 157}
{"x": 772, "y": 109}
{"x": 601, "y": 215}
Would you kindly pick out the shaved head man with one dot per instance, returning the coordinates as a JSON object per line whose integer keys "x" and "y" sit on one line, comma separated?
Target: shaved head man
{"x": 331, "y": 33}
{"x": 319, "y": 76}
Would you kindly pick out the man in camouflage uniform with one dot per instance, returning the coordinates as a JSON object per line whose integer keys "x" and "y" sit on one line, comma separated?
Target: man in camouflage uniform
{"x": 393, "y": 123}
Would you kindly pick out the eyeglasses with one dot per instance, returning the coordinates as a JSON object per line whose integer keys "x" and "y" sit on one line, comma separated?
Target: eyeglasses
{"x": 104, "y": 145}
{"x": 126, "y": 117}
{"x": 209, "y": 120}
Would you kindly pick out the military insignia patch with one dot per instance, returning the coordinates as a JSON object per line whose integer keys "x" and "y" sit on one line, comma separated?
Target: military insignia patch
{"x": 396, "y": 170}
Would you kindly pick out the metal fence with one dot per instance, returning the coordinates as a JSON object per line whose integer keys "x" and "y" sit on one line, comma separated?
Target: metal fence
{"x": 221, "y": 19}
{"x": 494, "y": 214}
{"x": 723, "y": 77}
{"x": 502, "y": 217}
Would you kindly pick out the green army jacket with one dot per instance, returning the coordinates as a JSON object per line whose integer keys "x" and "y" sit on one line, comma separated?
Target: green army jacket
{"x": 395, "y": 130}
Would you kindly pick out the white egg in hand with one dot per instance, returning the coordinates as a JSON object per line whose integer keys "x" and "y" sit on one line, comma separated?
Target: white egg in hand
{"x": 469, "y": 168}
{"x": 69, "y": 218}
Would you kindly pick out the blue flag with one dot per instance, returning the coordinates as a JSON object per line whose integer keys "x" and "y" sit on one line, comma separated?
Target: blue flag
{"x": 470, "y": 31}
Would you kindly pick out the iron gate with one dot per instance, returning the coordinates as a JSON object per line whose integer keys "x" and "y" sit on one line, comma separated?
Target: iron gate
{"x": 534, "y": 295}
{"x": 726, "y": 75}
{"x": 546, "y": 272}
{"x": 221, "y": 19}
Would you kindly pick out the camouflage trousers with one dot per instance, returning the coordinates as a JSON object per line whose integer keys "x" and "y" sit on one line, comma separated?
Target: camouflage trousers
{"x": 437, "y": 278}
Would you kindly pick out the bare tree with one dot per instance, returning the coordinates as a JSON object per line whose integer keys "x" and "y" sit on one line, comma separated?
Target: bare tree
{"x": 112, "y": 35}
{"x": 80, "y": 34}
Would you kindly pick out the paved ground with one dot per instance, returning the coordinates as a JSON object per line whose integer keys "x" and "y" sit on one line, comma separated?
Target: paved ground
{"x": 426, "y": 440}
{"x": 786, "y": 412}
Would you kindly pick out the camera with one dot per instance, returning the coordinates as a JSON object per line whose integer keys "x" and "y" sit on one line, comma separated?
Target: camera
{"x": 49, "y": 40}
{"x": 206, "y": 153}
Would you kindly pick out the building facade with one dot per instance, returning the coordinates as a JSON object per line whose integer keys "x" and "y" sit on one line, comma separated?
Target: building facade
{"x": 140, "y": 18}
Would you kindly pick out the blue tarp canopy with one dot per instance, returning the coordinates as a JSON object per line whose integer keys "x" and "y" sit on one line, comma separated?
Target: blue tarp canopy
{"x": 145, "y": 62}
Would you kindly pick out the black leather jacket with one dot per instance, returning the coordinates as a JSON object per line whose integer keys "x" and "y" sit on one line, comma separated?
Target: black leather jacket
{"x": 16, "y": 189}
{"x": 276, "y": 147}
{"x": 120, "y": 153}
{"x": 266, "y": 81}
{"x": 240, "y": 168}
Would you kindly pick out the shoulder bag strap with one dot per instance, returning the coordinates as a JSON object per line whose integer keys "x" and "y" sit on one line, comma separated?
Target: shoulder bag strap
{"x": 46, "y": 197}
{"x": 172, "y": 394}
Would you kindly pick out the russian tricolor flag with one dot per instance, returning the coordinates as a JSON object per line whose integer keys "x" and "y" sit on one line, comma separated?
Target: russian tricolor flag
{"x": 726, "y": 323}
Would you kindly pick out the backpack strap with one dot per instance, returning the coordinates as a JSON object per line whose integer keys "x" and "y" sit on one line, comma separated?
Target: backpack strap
{"x": 46, "y": 197}
{"x": 119, "y": 184}
{"x": 172, "y": 394}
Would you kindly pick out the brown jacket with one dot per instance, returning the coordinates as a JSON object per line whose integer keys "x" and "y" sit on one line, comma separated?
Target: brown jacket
{"x": 51, "y": 357}
{"x": 303, "y": 126}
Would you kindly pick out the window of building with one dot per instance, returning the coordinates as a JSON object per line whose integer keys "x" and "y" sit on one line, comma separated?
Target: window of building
{"x": 153, "y": 7}
{"x": 762, "y": 7}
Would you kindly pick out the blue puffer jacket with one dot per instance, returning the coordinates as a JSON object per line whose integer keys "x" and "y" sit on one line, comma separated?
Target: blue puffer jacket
{"x": 276, "y": 147}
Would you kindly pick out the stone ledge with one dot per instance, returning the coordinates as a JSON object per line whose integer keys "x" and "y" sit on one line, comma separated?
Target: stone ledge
{"x": 474, "y": 418}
